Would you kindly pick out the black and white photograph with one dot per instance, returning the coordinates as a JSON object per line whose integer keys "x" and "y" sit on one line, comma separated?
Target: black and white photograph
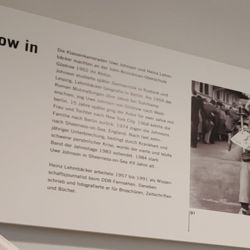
{"x": 220, "y": 156}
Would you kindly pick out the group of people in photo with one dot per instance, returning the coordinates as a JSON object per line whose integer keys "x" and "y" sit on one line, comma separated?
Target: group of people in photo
{"x": 213, "y": 121}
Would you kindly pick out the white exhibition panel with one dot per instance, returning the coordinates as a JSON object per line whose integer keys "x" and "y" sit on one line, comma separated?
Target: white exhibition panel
{"x": 6, "y": 245}
{"x": 80, "y": 110}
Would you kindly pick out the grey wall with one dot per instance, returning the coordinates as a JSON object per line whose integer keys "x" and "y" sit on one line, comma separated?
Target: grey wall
{"x": 218, "y": 30}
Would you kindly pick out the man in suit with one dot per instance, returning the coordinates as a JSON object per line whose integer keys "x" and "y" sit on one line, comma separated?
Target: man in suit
{"x": 196, "y": 108}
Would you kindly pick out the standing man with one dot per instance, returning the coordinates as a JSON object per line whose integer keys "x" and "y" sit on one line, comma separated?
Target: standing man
{"x": 244, "y": 177}
{"x": 196, "y": 108}
{"x": 210, "y": 117}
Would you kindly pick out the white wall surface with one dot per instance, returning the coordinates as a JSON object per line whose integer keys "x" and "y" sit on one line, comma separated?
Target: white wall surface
{"x": 208, "y": 28}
